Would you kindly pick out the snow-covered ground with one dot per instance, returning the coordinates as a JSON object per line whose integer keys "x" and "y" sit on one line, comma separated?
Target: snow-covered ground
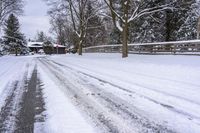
{"x": 163, "y": 88}
{"x": 105, "y": 93}
{"x": 60, "y": 114}
{"x": 11, "y": 69}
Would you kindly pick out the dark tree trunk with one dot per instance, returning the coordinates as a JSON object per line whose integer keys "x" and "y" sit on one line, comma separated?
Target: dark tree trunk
{"x": 125, "y": 41}
{"x": 125, "y": 30}
{"x": 16, "y": 53}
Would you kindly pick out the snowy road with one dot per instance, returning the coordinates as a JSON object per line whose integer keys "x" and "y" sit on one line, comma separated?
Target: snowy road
{"x": 100, "y": 93}
{"x": 21, "y": 99}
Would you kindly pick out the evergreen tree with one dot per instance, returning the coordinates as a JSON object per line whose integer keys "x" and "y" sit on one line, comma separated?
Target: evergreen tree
{"x": 13, "y": 38}
{"x": 48, "y": 47}
{"x": 168, "y": 25}
{"x": 115, "y": 36}
{"x": 175, "y": 18}
{"x": 148, "y": 28}
{"x": 188, "y": 30}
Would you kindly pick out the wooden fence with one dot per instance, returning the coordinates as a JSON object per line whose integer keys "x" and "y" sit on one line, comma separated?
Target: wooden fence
{"x": 176, "y": 47}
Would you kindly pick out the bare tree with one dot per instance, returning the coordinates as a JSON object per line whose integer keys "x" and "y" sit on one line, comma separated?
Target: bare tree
{"x": 71, "y": 17}
{"x": 61, "y": 26}
{"x": 40, "y": 36}
{"x": 10, "y": 6}
{"x": 125, "y": 11}
{"x": 60, "y": 29}
{"x": 80, "y": 18}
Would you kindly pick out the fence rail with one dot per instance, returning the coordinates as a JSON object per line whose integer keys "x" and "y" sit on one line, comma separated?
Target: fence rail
{"x": 175, "y": 47}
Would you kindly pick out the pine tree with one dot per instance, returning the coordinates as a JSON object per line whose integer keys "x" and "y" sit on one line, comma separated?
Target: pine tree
{"x": 188, "y": 30}
{"x": 13, "y": 38}
{"x": 148, "y": 28}
{"x": 168, "y": 25}
{"x": 174, "y": 19}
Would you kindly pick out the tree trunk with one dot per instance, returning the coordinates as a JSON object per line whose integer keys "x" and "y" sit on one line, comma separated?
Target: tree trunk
{"x": 81, "y": 39}
{"x": 125, "y": 41}
{"x": 125, "y": 30}
{"x": 80, "y": 45}
{"x": 16, "y": 52}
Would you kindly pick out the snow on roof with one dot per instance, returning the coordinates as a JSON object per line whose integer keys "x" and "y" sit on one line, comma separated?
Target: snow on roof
{"x": 40, "y": 44}
{"x": 57, "y": 45}
{"x": 35, "y": 44}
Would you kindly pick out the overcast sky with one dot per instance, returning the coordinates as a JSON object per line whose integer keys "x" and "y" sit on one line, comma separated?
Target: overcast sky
{"x": 35, "y": 18}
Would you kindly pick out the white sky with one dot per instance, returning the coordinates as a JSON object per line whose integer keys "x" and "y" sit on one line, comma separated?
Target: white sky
{"x": 35, "y": 18}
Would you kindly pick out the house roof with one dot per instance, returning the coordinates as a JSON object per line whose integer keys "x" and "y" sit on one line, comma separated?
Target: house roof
{"x": 60, "y": 46}
{"x": 35, "y": 44}
{"x": 40, "y": 45}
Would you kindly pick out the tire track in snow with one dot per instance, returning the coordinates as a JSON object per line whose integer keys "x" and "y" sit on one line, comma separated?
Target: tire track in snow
{"x": 113, "y": 104}
{"x": 99, "y": 116}
{"x": 32, "y": 104}
{"x": 23, "y": 106}
{"x": 11, "y": 107}
{"x": 8, "y": 111}
{"x": 168, "y": 107}
{"x": 137, "y": 84}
